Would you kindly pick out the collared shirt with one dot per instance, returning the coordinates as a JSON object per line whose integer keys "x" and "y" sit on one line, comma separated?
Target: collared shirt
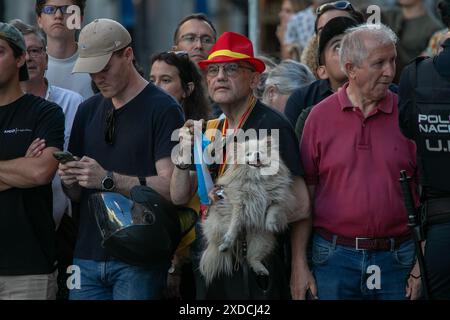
{"x": 354, "y": 164}
{"x": 300, "y": 28}
{"x": 306, "y": 97}
{"x": 309, "y": 96}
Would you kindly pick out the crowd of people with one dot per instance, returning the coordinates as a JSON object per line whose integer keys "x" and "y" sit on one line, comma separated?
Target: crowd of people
{"x": 362, "y": 104}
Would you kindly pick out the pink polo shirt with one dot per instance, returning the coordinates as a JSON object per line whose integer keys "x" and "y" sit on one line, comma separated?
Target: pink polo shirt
{"x": 355, "y": 165}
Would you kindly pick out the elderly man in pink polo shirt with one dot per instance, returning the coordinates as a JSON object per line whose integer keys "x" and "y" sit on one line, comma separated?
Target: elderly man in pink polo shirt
{"x": 353, "y": 151}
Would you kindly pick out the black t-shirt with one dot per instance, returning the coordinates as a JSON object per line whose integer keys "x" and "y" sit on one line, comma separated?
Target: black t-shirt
{"x": 143, "y": 130}
{"x": 264, "y": 117}
{"x": 27, "y": 229}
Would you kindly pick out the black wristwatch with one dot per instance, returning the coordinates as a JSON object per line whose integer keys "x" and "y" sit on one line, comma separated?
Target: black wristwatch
{"x": 108, "y": 182}
{"x": 142, "y": 181}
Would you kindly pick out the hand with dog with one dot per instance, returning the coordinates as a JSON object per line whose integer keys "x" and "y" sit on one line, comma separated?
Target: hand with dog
{"x": 217, "y": 194}
{"x": 246, "y": 203}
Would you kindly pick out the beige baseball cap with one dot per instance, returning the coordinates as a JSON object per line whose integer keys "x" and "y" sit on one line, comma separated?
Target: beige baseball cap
{"x": 97, "y": 43}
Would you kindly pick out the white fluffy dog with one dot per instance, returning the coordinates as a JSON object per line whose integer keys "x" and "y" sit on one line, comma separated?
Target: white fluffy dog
{"x": 255, "y": 207}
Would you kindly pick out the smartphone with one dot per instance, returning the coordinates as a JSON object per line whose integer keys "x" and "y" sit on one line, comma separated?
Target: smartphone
{"x": 64, "y": 157}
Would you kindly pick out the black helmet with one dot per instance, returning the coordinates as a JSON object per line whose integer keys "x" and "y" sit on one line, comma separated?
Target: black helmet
{"x": 143, "y": 230}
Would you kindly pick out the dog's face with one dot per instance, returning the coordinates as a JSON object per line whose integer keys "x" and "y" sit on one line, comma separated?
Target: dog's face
{"x": 257, "y": 154}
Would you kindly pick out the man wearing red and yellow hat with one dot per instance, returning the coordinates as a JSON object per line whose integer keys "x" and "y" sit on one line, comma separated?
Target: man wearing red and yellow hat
{"x": 232, "y": 73}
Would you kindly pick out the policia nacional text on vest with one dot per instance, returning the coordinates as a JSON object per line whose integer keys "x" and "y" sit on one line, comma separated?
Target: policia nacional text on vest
{"x": 425, "y": 118}
{"x": 431, "y": 112}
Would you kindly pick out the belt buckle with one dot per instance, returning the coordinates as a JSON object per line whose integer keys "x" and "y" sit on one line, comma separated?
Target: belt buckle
{"x": 357, "y": 243}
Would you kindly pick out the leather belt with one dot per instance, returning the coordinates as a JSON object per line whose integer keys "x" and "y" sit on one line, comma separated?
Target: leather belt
{"x": 376, "y": 244}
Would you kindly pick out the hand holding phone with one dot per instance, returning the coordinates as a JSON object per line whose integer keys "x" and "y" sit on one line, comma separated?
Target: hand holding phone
{"x": 64, "y": 157}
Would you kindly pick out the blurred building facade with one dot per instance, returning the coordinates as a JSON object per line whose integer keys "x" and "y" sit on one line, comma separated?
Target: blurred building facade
{"x": 152, "y": 22}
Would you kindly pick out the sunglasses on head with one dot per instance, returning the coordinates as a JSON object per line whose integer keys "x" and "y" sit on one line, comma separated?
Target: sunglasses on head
{"x": 178, "y": 54}
{"x": 338, "y": 5}
{"x": 181, "y": 54}
{"x": 49, "y": 9}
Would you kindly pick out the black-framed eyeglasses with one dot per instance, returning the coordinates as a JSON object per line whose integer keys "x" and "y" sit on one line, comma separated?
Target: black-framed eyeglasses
{"x": 230, "y": 69}
{"x": 338, "y": 5}
{"x": 110, "y": 126}
{"x": 49, "y": 9}
{"x": 35, "y": 52}
{"x": 191, "y": 38}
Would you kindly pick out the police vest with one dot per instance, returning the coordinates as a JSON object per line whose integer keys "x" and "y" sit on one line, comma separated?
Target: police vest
{"x": 431, "y": 96}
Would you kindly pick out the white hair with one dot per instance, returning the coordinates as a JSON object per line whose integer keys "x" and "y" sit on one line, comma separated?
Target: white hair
{"x": 353, "y": 48}
{"x": 288, "y": 76}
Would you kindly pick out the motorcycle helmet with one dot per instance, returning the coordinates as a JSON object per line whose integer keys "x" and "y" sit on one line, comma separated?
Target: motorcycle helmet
{"x": 141, "y": 230}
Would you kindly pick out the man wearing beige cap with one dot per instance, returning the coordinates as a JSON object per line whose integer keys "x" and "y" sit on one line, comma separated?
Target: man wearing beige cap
{"x": 27, "y": 229}
{"x": 123, "y": 138}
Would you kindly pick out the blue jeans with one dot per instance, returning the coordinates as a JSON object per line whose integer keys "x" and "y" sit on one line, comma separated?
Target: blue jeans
{"x": 344, "y": 273}
{"x": 115, "y": 280}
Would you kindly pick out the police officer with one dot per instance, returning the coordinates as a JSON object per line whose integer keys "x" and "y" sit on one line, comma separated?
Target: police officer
{"x": 425, "y": 118}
